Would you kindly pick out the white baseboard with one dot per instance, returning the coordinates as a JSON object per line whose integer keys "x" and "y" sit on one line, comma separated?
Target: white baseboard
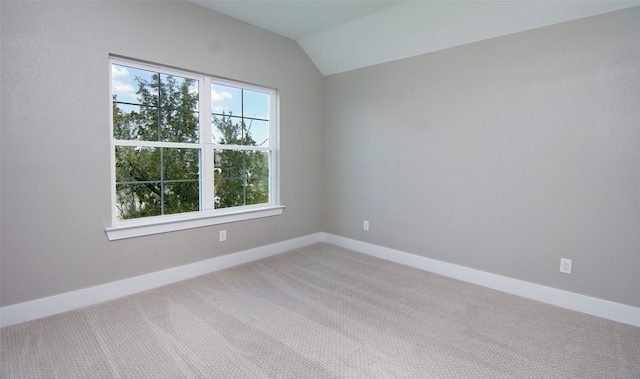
{"x": 14, "y": 314}
{"x": 569, "y": 300}
{"x": 30, "y": 310}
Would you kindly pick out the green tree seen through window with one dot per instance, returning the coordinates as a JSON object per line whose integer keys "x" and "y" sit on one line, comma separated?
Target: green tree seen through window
{"x": 241, "y": 177}
{"x": 158, "y": 179}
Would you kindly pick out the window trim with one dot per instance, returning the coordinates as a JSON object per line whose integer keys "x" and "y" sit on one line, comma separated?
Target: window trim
{"x": 207, "y": 216}
{"x": 183, "y": 221}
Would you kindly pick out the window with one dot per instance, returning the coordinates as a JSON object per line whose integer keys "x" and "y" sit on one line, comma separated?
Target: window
{"x": 189, "y": 150}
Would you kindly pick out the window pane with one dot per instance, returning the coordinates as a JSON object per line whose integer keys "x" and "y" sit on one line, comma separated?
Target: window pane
{"x": 141, "y": 190}
{"x": 241, "y": 178}
{"x": 168, "y": 108}
{"x": 137, "y": 164}
{"x": 181, "y": 175}
{"x": 256, "y": 133}
{"x": 228, "y": 164}
{"x": 229, "y": 193}
{"x": 181, "y": 197}
{"x": 257, "y": 164}
{"x": 145, "y": 86}
{"x": 236, "y": 131}
{"x": 127, "y": 123}
{"x": 127, "y": 81}
{"x": 258, "y": 177}
{"x": 255, "y": 104}
{"x": 226, "y": 100}
{"x": 226, "y": 130}
{"x": 179, "y": 125}
{"x": 138, "y": 190}
{"x": 180, "y": 164}
{"x": 257, "y": 191}
{"x": 137, "y": 200}
{"x": 179, "y": 104}
{"x": 135, "y": 122}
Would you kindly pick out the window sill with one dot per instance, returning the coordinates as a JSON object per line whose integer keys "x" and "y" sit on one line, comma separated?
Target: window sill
{"x": 138, "y": 228}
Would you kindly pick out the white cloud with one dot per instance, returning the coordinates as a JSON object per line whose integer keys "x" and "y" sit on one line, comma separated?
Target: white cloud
{"x": 121, "y": 83}
{"x": 220, "y": 96}
{"x": 119, "y": 72}
{"x": 120, "y": 87}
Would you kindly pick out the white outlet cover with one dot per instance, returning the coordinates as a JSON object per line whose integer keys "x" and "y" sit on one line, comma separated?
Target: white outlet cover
{"x": 565, "y": 265}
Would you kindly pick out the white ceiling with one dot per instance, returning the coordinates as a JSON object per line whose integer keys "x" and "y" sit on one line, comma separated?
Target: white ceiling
{"x": 344, "y": 35}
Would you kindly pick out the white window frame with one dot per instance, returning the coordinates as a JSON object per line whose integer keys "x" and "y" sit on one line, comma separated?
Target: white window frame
{"x": 207, "y": 216}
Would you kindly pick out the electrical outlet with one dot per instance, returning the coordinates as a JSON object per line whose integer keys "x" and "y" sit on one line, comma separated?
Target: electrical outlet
{"x": 365, "y": 225}
{"x": 565, "y": 265}
{"x": 223, "y": 235}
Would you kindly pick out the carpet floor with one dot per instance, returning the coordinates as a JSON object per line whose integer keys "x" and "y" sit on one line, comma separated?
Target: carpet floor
{"x": 320, "y": 312}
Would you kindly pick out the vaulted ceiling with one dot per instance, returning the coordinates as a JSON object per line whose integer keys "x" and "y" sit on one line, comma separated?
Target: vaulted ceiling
{"x": 340, "y": 36}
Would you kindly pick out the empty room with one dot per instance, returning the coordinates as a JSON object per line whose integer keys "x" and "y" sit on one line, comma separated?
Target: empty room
{"x": 314, "y": 189}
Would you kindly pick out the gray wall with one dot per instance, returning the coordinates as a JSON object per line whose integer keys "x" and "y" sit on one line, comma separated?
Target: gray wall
{"x": 55, "y": 137}
{"x": 503, "y": 155}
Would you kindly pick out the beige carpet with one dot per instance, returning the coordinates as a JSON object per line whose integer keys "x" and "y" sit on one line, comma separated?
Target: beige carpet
{"x": 321, "y": 312}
